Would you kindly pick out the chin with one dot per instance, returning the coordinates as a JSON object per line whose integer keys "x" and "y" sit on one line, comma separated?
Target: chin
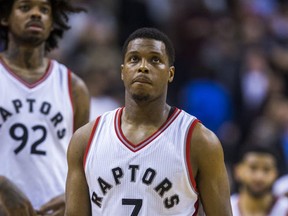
{"x": 258, "y": 193}
{"x": 141, "y": 97}
{"x": 33, "y": 39}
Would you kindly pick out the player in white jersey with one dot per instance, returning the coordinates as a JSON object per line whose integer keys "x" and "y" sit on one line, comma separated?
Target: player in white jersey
{"x": 256, "y": 172}
{"x": 41, "y": 101}
{"x": 146, "y": 158}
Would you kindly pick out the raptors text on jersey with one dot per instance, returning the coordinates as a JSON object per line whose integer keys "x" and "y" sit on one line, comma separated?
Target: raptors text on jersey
{"x": 153, "y": 177}
{"x": 36, "y": 124}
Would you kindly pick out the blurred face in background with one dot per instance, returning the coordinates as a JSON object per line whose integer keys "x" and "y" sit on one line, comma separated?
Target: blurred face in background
{"x": 30, "y": 21}
{"x": 256, "y": 173}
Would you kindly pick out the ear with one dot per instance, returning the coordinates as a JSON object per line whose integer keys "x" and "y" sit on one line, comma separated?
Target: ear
{"x": 122, "y": 67}
{"x": 4, "y": 22}
{"x": 276, "y": 174}
{"x": 239, "y": 172}
{"x": 171, "y": 74}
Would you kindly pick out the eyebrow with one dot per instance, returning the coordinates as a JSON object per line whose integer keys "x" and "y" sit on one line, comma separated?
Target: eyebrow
{"x": 137, "y": 52}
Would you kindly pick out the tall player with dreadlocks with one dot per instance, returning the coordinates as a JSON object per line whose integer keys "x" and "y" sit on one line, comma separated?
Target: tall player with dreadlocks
{"x": 41, "y": 101}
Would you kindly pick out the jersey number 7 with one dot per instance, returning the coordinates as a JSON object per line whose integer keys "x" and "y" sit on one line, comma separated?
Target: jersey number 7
{"x": 137, "y": 205}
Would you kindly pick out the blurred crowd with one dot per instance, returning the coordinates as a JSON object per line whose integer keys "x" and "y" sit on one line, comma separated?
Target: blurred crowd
{"x": 231, "y": 63}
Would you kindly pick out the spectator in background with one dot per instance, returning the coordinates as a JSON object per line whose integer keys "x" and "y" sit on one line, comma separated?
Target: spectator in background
{"x": 254, "y": 82}
{"x": 209, "y": 101}
{"x": 94, "y": 40}
{"x": 270, "y": 129}
{"x": 102, "y": 79}
{"x": 256, "y": 172}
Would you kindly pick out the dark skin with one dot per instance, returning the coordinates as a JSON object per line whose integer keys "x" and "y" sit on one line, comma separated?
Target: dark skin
{"x": 30, "y": 24}
{"x": 256, "y": 174}
{"x": 146, "y": 73}
{"x": 14, "y": 202}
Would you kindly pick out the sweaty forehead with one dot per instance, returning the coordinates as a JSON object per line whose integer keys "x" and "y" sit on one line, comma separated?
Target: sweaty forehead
{"x": 148, "y": 45}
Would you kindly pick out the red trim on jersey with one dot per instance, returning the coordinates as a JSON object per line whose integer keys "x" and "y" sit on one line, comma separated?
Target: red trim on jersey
{"x": 136, "y": 147}
{"x": 188, "y": 159}
{"x": 71, "y": 96}
{"x": 196, "y": 207}
{"x": 90, "y": 140}
{"x": 29, "y": 85}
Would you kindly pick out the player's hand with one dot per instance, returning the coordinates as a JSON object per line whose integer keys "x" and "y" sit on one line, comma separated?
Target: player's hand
{"x": 55, "y": 207}
{"x": 12, "y": 201}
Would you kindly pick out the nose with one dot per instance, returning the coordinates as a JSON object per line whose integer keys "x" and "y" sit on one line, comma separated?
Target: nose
{"x": 259, "y": 176}
{"x": 36, "y": 13}
{"x": 143, "y": 68}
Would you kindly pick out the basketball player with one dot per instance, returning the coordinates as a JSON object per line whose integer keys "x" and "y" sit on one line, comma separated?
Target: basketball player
{"x": 256, "y": 173}
{"x": 146, "y": 158}
{"x": 41, "y": 101}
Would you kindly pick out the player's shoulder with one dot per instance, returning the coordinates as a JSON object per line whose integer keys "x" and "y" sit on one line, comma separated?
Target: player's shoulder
{"x": 282, "y": 202}
{"x": 84, "y": 131}
{"x": 204, "y": 143}
{"x": 204, "y": 136}
{"x": 78, "y": 83}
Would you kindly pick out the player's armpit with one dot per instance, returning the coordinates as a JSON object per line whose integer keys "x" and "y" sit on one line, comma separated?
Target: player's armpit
{"x": 81, "y": 102}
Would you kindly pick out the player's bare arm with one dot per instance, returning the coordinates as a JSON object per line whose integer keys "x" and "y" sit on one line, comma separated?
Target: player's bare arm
{"x": 81, "y": 101}
{"x": 81, "y": 104}
{"x": 210, "y": 173}
{"x": 77, "y": 193}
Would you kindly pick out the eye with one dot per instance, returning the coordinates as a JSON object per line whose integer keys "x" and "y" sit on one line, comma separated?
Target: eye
{"x": 267, "y": 169}
{"x": 45, "y": 10}
{"x": 24, "y": 7}
{"x": 134, "y": 59}
{"x": 155, "y": 59}
{"x": 253, "y": 168}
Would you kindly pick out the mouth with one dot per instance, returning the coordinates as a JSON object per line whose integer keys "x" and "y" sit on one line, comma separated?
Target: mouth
{"x": 36, "y": 26}
{"x": 142, "y": 79}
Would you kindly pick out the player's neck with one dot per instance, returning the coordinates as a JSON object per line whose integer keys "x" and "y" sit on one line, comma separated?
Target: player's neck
{"x": 138, "y": 124}
{"x": 28, "y": 65}
{"x": 146, "y": 114}
{"x": 250, "y": 205}
{"x": 24, "y": 57}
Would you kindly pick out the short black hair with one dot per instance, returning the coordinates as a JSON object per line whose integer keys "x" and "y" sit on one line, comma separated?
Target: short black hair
{"x": 152, "y": 33}
{"x": 258, "y": 149}
{"x": 60, "y": 11}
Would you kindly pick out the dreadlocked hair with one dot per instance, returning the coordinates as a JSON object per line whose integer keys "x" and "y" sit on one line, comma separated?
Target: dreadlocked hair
{"x": 61, "y": 9}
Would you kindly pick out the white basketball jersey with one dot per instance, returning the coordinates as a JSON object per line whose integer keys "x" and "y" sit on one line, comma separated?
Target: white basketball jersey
{"x": 151, "y": 178}
{"x": 36, "y": 124}
{"x": 279, "y": 208}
